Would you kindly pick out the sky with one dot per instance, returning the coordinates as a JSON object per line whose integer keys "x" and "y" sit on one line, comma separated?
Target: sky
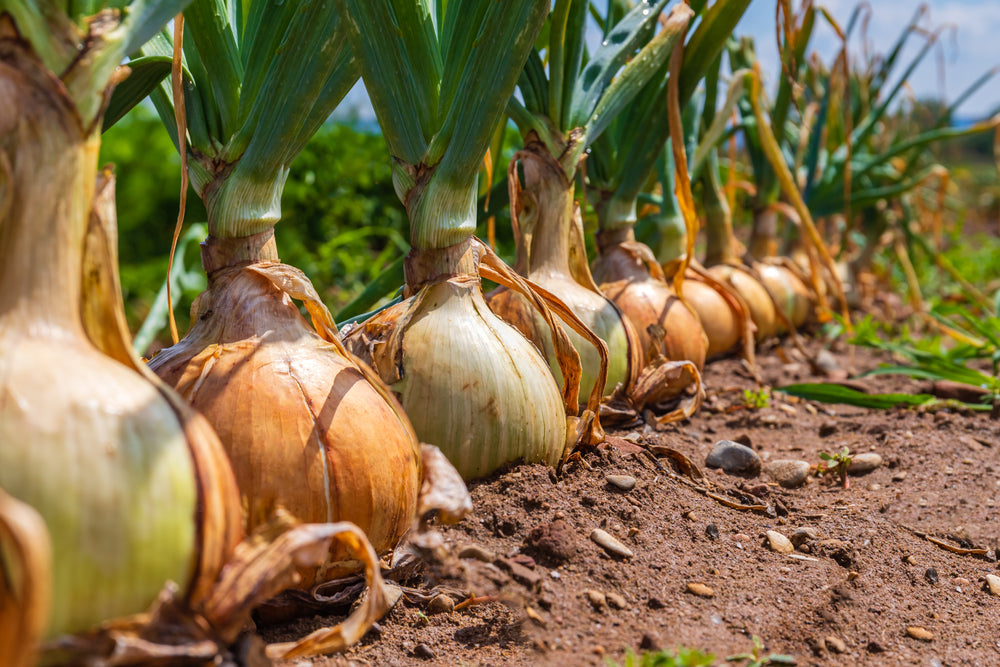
{"x": 965, "y": 50}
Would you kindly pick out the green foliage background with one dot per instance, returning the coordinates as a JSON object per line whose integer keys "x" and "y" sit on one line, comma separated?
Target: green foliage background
{"x": 341, "y": 220}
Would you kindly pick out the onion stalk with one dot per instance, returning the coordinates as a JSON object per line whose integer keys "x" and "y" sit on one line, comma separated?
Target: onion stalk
{"x": 307, "y": 427}
{"x": 471, "y": 383}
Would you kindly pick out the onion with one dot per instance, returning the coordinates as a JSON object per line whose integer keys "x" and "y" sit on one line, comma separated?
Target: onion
{"x": 754, "y": 294}
{"x": 133, "y": 486}
{"x": 307, "y": 427}
{"x": 788, "y": 290}
{"x": 471, "y": 383}
{"x": 629, "y": 274}
{"x": 722, "y": 318}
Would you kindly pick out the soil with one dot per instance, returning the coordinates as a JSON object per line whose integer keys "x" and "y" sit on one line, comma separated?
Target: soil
{"x": 894, "y": 572}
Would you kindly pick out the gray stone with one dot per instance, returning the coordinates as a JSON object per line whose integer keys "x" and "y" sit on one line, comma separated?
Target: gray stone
{"x": 802, "y": 535}
{"x": 734, "y": 459}
{"x": 623, "y": 482}
{"x": 864, "y": 463}
{"x": 789, "y": 473}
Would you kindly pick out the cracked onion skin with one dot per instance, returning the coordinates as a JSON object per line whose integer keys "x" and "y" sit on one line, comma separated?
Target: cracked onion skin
{"x": 306, "y": 429}
{"x": 133, "y": 486}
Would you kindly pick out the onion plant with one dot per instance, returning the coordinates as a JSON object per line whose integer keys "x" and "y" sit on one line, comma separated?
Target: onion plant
{"x": 818, "y": 146}
{"x": 307, "y": 427}
{"x": 621, "y": 166}
{"x": 566, "y": 106}
{"x": 142, "y": 493}
{"x": 469, "y": 381}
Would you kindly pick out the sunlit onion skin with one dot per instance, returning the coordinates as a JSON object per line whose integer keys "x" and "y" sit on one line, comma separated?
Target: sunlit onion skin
{"x": 551, "y": 254}
{"x": 718, "y": 318}
{"x": 664, "y": 323}
{"x": 127, "y": 479}
{"x": 754, "y": 294}
{"x": 595, "y": 310}
{"x": 305, "y": 428}
{"x": 472, "y": 384}
{"x": 790, "y": 294}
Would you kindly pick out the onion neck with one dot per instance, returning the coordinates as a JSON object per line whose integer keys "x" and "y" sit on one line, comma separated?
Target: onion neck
{"x": 442, "y": 213}
{"x": 548, "y": 214}
{"x": 48, "y": 168}
{"x": 720, "y": 245}
{"x": 764, "y": 236}
{"x": 239, "y": 203}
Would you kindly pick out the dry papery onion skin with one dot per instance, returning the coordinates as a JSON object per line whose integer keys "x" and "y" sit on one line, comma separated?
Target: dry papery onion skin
{"x": 307, "y": 427}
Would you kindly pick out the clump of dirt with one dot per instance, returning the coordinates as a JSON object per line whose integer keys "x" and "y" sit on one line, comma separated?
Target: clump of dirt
{"x": 892, "y": 570}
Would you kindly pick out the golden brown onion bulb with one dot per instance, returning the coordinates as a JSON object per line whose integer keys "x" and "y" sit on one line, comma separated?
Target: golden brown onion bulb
{"x": 306, "y": 426}
{"x": 754, "y": 294}
{"x": 664, "y": 323}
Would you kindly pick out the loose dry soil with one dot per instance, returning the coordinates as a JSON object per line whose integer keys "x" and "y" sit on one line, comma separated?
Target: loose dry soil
{"x": 851, "y": 594}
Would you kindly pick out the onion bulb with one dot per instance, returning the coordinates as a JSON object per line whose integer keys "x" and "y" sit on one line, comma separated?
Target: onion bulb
{"x": 133, "y": 486}
{"x": 629, "y": 274}
{"x": 788, "y": 290}
{"x": 754, "y": 295}
{"x": 472, "y": 384}
{"x": 306, "y": 426}
{"x": 723, "y": 315}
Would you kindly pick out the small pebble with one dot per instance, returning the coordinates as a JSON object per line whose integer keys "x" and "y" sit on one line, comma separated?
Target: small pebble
{"x": 650, "y": 641}
{"x": 789, "y": 473}
{"x": 800, "y": 536}
{"x": 615, "y": 600}
{"x": 827, "y": 428}
{"x": 701, "y": 590}
{"x": 741, "y": 537}
{"x": 623, "y": 482}
{"x": 960, "y": 581}
{"x": 734, "y": 459}
{"x": 864, "y": 463}
{"x": 899, "y": 476}
{"x": 992, "y": 584}
{"x": 835, "y": 644}
{"x": 610, "y": 543}
{"x": 597, "y": 599}
{"x": 920, "y": 633}
{"x": 424, "y": 651}
{"x": 712, "y": 531}
{"x": 779, "y": 543}
{"x": 931, "y": 575}
{"x": 440, "y": 604}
